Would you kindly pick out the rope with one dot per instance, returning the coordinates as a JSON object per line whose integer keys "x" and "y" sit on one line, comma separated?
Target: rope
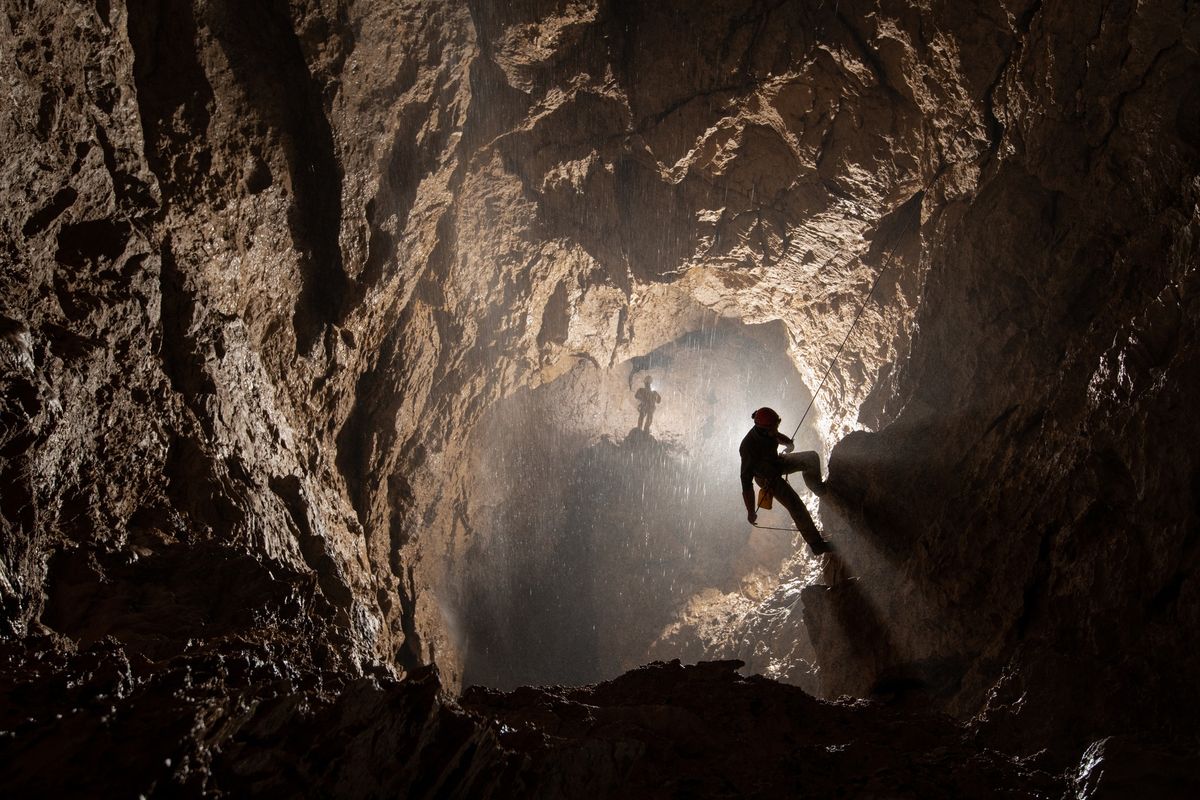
{"x": 887, "y": 264}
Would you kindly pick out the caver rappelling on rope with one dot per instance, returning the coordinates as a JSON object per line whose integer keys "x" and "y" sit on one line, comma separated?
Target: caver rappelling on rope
{"x": 762, "y": 462}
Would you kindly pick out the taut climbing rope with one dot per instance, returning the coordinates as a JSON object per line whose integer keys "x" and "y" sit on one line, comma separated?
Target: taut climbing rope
{"x": 769, "y": 528}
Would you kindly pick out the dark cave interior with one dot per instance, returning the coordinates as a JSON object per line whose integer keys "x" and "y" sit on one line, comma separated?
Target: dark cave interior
{"x": 320, "y": 326}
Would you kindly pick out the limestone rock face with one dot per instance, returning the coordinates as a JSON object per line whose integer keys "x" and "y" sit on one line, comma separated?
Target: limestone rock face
{"x": 1049, "y": 533}
{"x": 266, "y": 267}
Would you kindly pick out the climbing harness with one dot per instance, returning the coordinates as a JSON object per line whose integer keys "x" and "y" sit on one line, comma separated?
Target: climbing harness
{"x": 887, "y": 264}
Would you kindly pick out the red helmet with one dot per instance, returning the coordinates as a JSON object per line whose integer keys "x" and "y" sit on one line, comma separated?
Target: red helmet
{"x": 766, "y": 417}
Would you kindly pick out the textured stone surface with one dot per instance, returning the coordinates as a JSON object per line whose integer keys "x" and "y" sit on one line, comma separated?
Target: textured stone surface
{"x": 265, "y": 266}
{"x": 1038, "y": 561}
{"x": 238, "y": 720}
{"x": 665, "y": 730}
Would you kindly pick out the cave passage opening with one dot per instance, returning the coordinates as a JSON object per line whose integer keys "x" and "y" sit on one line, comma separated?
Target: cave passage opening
{"x": 590, "y": 537}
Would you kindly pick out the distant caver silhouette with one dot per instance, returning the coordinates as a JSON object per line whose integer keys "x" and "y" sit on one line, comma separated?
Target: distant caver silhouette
{"x": 648, "y": 400}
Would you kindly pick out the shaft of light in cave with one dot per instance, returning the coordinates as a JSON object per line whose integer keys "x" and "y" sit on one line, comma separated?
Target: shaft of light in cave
{"x": 592, "y": 534}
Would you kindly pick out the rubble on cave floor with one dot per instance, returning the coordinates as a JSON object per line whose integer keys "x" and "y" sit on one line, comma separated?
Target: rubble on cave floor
{"x": 668, "y": 730}
{"x": 200, "y": 724}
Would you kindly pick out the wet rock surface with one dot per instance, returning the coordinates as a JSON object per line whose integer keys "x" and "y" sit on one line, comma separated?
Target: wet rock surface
{"x": 264, "y": 268}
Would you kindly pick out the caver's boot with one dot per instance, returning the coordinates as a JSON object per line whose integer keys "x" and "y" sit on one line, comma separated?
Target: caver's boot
{"x": 817, "y": 543}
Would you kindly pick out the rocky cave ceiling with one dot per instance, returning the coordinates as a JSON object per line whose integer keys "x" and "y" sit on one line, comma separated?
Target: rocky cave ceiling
{"x": 281, "y": 280}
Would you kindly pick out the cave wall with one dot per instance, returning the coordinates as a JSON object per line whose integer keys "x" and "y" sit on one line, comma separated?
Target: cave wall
{"x": 1051, "y": 532}
{"x": 619, "y": 192}
{"x": 188, "y": 300}
{"x": 256, "y": 255}
{"x": 264, "y": 268}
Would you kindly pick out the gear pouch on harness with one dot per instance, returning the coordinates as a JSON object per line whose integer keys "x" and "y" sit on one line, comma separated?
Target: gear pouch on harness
{"x": 764, "y": 498}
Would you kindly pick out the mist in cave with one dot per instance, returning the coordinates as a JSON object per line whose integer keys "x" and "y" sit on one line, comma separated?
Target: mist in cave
{"x": 591, "y": 534}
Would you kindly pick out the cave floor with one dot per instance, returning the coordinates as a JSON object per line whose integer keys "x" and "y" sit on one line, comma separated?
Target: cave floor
{"x": 238, "y": 718}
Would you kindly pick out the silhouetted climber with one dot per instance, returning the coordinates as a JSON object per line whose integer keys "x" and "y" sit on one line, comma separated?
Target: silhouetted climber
{"x": 648, "y": 400}
{"x": 761, "y": 461}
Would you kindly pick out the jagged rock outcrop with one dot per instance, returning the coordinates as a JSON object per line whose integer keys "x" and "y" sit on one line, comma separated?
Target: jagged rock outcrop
{"x": 238, "y": 720}
{"x": 265, "y": 267}
{"x": 666, "y": 730}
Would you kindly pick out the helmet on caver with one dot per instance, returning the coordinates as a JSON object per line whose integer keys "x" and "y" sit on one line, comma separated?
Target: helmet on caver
{"x": 766, "y": 417}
